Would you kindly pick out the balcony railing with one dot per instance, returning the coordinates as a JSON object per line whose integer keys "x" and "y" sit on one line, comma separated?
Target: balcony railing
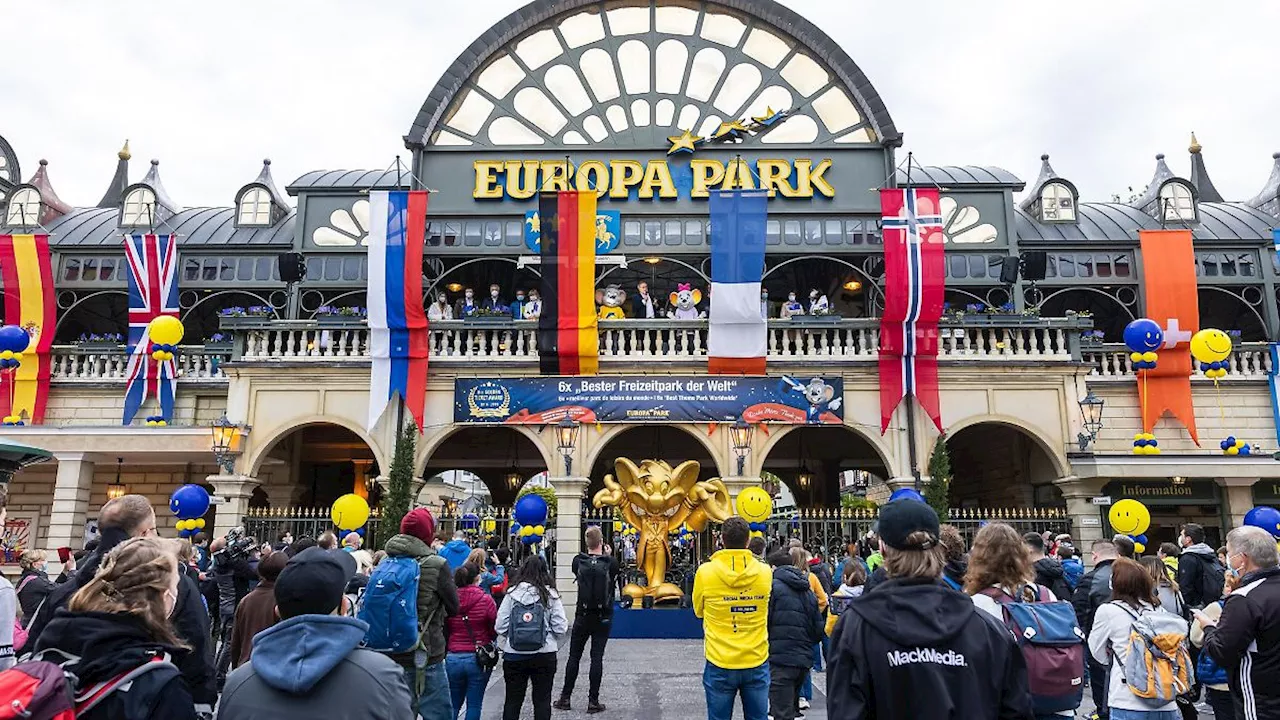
{"x": 507, "y": 342}
{"x": 110, "y": 363}
{"x": 1249, "y": 361}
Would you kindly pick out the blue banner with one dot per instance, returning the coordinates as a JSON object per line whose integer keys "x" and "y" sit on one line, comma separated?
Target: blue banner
{"x": 650, "y": 398}
{"x": 608, "y": 231}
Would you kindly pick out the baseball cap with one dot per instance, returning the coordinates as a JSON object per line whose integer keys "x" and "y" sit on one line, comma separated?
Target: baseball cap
{"x": 312, "y": 582}
{"x": 900, "y": 518}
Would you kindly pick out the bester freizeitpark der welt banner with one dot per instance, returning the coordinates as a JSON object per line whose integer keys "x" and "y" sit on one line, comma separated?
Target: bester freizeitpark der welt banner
{"x": 649, "y": 398}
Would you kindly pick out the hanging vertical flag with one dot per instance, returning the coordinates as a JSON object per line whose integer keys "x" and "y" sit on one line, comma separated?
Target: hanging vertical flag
{"x": 1169, "y": 280}
{"x": 153, "y": 291}
{"x": 737, "y": 333}
{"x": 27, "y": 271}
{"x": 914, "y": 282}
{"x": 568, "y": 343}
{"x": 397, "y": 323}
{"x": 1275, "y": 241}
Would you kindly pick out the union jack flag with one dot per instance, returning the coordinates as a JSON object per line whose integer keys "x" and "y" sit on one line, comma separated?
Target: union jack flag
{"x": 153, "y": 291}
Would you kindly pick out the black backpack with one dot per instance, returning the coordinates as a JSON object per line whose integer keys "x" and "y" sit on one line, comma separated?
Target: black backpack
{"x": 1212, "y": 577}
{"x": 593, "y": 583}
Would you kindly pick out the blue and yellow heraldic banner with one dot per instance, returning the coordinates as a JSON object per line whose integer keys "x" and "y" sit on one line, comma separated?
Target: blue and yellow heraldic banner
{"x": 799, "y": 400}
{"x": 608, "y": 231}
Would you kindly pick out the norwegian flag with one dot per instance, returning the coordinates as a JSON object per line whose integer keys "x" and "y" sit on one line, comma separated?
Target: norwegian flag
{"x": 914, "y": 283}
{"x": 153, "y": 291}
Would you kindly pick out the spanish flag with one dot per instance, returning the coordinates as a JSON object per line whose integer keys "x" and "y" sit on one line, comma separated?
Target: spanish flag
{"x": 1169, "y": 279}
{"x": 568, "y": 343}
{"x": 27, "y": 272}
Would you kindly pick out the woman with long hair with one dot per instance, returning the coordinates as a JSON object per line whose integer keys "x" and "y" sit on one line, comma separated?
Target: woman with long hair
{"x": 469, "y": 630}
{"x": 1133, "y": 594}
{"x": 531, "y": 610}
{"x": 118, "y": 627}
{"x": 1167, "y": 591}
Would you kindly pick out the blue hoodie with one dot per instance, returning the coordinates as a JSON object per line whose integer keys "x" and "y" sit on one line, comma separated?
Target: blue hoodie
{"x": 313, "y": 666}
{"x": 455, "y": 552}
{"x": 1073, "y": 569}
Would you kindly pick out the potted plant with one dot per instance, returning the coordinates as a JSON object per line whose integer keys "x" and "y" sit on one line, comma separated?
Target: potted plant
{"x": 1092, "y": 338}
{"x": 340, "y": 315}
{"x": 218, "y": 342}
{"x": 976, "y": 314}
{"x": 488, "y": 316}
{"x": 100, "y": 341}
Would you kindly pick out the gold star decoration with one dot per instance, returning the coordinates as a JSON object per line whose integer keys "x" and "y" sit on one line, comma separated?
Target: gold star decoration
{"x": 767, "y": 118}
{"x": 731, "y": 128}
{"x": 682, "y": 143}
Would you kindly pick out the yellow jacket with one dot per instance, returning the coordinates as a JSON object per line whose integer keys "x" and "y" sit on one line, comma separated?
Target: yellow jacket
{"x": 731, "y": 595}
{"x": 1171, "y": 562}
{"x": 816, "y": 587}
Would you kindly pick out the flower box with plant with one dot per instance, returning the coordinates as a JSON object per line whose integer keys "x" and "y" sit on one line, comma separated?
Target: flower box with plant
{"x": 341, "y": 315}
{"x": 490, "y": 316}
{"x": 1092, "y": 338}
{"x": 244, "y": 312}
{"x": 100, "y": 341}
{"x": 219, "y": 342}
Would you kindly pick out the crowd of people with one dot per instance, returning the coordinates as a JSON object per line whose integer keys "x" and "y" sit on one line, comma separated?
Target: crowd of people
{"x": 910, "y": 624}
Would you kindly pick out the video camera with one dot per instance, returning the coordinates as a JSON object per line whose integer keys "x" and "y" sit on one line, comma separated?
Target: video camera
{"x": 238, "y": 545}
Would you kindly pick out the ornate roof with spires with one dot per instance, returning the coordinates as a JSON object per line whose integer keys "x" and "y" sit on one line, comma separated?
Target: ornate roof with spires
{"x": 10, "y": 173}
{"x": 1149, "y": 201}
{"x": 1047, "y": 173}
{"x": 115, "y": 191}
{"x": 1268, "y": 199}
{"x": 268, "y": 183}
{"x": 51, "y": 206}
{"x": 1205, "y": 190}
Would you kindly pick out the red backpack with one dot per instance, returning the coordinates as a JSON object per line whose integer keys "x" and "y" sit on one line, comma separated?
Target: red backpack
{"x": 42, "y": 690}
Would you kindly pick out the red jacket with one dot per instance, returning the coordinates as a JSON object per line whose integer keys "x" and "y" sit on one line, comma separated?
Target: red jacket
{"x": 478, "y": 607}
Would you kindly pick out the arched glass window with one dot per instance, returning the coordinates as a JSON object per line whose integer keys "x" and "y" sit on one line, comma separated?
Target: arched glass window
{"x": 139, "y": 208}
{"x": 1057, "y": 203}
{"x": 255, "y": 208}
{"x": 23, "y": 209}
{"x": 1177, "y": 202}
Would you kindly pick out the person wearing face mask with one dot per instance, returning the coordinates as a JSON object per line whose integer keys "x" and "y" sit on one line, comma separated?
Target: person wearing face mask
{"x": 118, "y": 624}
{"x": 764, "y": 304}
{"x": 818, "y": 304}
{"x": 494, "y": 303}
{"x": 791, "y": 307}
{"x": 33, "y": 584}
{"x": 643, "y": 305}
{"x": 517, "y": 307}
{"x": 440, "y": 309}
{"x": 533, "y": 308}
{"x": 466, "y": 305}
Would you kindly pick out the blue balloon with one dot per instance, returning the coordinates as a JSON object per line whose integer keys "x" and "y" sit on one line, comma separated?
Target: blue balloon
{"x": 189, "y": 502}
{"x": 14, "y": 338}
{"x": 515, "y": 528}
{"x": 1140, "y": 539}
{"x": 530, "y": 509}
{"x": 1143, "y": 335}
{"x": 469, "y": 521}
{"x": 1267, "y": 518}
{"x": 906, "y": 494}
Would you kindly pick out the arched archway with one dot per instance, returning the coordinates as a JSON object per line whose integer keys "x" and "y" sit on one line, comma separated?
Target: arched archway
{"x": 996, "y": 463}
{"x": 315, "y": 463}
{"x": 502, "y": 458}
{"x": 823, "y": 454}
{"x": 673, "y": 444}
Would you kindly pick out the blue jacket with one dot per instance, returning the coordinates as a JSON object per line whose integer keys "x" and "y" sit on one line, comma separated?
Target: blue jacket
{"x": 313, "y": 666}
{"x": 1074, "y": 570}
{"x": 455, "y": 552}
{"x": 795, "y": 624}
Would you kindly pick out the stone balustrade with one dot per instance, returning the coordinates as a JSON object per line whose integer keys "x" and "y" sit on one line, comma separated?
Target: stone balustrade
{"x": 507, "y": 342}
{"x": 89, "y": 364}
{"x": 1250, "y": 361}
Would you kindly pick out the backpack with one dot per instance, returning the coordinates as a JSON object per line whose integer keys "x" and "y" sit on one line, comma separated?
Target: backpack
{"x": 593, "y": 583}
{"x": 953, "y": 584}
{"x": 1208, "y": 671}
{"x": 1052, "y": 644}
{"x": 528, "y": 627}
{"x": 1158, "y": 665}
{"x": 390, "y": 606}
{"x": 1212, "y": 577}
{"x": 39, "y": 689}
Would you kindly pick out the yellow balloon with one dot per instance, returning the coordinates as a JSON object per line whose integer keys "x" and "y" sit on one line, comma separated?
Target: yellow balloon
{"x": 1233, "y": 450}
{"x": 1130, "y": 517}
{"x": 1135, "y": 356}
{"x": 1139, "y": 547}
{"x": 754, "y": 505}
{"x": 17, "y": 356}
{"x": 199, "y": 523}
{"x": 349, "y": 512}
{"x": 1210, "y": 345}
{"x": 6, "y": 355}
{"x": 1149, "y": 356}
{"x": 167, "y": 330}
{"x": 540, "y": 530}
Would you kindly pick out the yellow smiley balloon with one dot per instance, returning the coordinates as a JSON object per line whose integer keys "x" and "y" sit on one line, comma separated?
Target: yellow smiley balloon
{"x": 754, "y": 505}
{"x": 1210, "y": 345}
{"x": 1129, "y": 517}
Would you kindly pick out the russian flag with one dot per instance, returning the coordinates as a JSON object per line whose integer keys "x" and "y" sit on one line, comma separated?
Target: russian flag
{"x": 737, "y": 335}
{"x": 397, "y": 322}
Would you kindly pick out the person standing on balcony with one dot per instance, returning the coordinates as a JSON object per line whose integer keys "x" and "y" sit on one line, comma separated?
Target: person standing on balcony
{"x": 466, "y": 306}
{"x": 643, "y": 305}
{"x": 440, "y": 309}
{"x": 533, "y": 309}
{"x": 494, "y": 303}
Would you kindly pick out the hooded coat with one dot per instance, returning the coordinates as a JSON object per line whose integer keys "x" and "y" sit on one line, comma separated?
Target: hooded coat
{"x": 437, "y": 595}
{"x": 60, "y": 595}
{"x": 916, "y": 649}
{"x": 313, "y": 666}
{"x": 795, "y": 623}
{"x": 1199, "y": 575}
{"x": 33, "y": 587}
{"x": 557, "y": 621}
{"x": 1073, "y": 570}
{"x": 455, "y": 552}
{"x": 110, "y": 644}
{"x": 1051, "y": 574}
{"x": 731, "y": 595}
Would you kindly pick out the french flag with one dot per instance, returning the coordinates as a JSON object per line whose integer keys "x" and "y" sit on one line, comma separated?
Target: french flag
{"x": 737, "y": 335}
{"x": 397, "y": 323}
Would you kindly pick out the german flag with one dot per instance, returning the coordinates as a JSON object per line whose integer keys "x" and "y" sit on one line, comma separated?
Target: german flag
{"x": 568, "y": 343}
{"x": 27, "y": 271}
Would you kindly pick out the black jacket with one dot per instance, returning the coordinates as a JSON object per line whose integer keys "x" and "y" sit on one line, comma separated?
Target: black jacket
{"x": 232, "y": 576}
{"x": 1247, "y": 643}
{"x": 61, "y": 594}
{"x": 795, "y": 624}
{"x": 1093, "y": 592}
{"x": 191, "y": 624}
{"x": 1049, "y": 573}
{"x": 109, "y": 644}
{"x": 954, "y": 571}
{"x": 877, "y": 576}
{"x": 1199, "y": 575}
{"x": 823, "y": 572}
{"x": 32, "y": 592}
{"x": 916, "y": 650}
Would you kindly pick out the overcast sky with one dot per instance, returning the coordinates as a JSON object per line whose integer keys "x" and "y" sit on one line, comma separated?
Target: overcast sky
{"x": 211, "y": 89}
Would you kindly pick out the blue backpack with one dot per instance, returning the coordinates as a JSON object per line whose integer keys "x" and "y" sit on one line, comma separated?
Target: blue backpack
{"x": 390, "y": 606}
{"x": 1052, "y": 644}
{"x": 528, "y": 629}
{"x": 1208, "y": 671}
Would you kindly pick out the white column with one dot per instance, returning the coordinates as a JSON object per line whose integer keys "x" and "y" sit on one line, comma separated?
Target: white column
{"x": 71, "y": 489}
{"x": 236, "y": 491}
{"x": 568, "y": 535}
{"x": 1086, "y": 518}
{"x": 1237, "y": 495}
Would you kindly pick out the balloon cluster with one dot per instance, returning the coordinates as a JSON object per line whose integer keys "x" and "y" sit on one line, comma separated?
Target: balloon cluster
{"x": 515, "y": 528}
{"x": 1143, "y": 336}
{"x": 12, "y": 420}
{"x": 531, "y": 512}
{"x": 1131, "y": 519}
{"x": 1267, "y": 518}
{"x": 165, "y": 332}
{"x": 630, "y": 531}
{"x": 156, "y": 421}
{"x": 189, "y": 504}
{"x": 1233, "y": 446}
{"x": 469, "y": 522}
{"x": 683, "y": 535}
{"x": 161, "y": 352}
{"x": 14, "y": 340}
{"x": 756, "y": 507}
{"x": 349, "y": 512}
{"x": 1145, "y": 444}
{"x": 489, "y": 524}
{"x": 1211, "y": 347}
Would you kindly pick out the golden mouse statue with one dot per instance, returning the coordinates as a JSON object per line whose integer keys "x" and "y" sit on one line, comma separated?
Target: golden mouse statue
{"x": 657, "y": 499}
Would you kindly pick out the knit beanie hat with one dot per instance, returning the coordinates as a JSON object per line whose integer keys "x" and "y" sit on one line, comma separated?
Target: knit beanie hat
{"x": 420, "y": 524}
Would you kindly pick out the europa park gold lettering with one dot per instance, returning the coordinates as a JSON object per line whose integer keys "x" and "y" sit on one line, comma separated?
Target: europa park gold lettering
{"x": 522, "y": 179}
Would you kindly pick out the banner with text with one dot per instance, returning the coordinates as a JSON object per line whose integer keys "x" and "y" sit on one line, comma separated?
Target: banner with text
{"x": 639, "y": 399}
